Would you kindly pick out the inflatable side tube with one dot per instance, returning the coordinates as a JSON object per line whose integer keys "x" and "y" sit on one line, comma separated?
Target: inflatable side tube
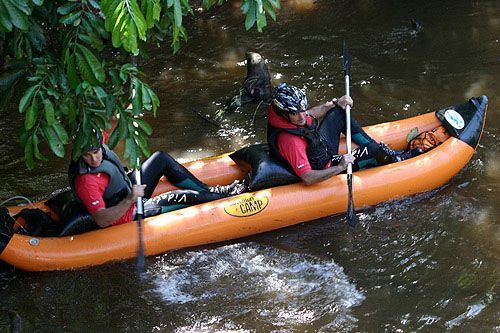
{"x": 465, "y": 121}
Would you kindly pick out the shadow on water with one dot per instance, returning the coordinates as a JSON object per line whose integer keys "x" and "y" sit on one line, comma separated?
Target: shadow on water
{"x": 426, "y": 263}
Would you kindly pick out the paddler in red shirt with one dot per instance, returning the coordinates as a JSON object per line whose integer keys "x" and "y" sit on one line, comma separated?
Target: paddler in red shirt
{"x": 310, "y": 148}
{"x": 100, "y": 182}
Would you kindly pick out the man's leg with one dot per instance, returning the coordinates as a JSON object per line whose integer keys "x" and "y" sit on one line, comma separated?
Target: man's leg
{"x": 369, "y": 153}
{"x": 162, "y": 164}
{"x": 334, "y": 124}
{"x": 366, "y": 156}
{"x": 177, "y": 199}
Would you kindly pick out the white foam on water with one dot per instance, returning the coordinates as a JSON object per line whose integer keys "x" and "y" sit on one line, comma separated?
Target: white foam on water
{"x": 471, "y": 312}
{"x": 269, "y": 285}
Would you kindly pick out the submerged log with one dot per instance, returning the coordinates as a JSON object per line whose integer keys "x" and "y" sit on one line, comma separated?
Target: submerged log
{"x": 256, "y": 87}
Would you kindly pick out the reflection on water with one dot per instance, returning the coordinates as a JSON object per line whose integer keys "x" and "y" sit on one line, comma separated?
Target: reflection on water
{"x": 426, "y": 263}
{"x": 275, "y": 288}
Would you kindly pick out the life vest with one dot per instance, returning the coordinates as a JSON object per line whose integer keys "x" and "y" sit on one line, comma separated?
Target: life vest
{"x": 119, "y": 185}
{"x": 429, "y": 139}
{"x": 318, "y": 153}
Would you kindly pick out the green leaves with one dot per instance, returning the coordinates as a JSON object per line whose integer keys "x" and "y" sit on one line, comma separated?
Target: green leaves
{"x": 102, "y": 101}
{"x": 73, "y": 57}
{"x": 132, "y": 21}
{"x": 10, "y": 77}
{"x": 31, "y": 115}
{"x": 49, "y": 112}
{"x": 56, "y": 137}
{"x": 71, "y": 71}
{"x": 255, "y": 11}
{"x": 90, "y": 62}
{"x": 13, "y": 71}
{"x": 144, "y": 98}
{"x": 29, "y": 151}
{"x": 136, "y": 141}
{"x": 14, "y": 13}
{"x": 151, "y": 10}
{"x": 86, "y": 16}
{"x": 71, "y": 13}
{"x": 120, "y": 133}
{"x": 126, "y": 22}
{"x": 131, "y": 127}
{"x": 207, "y": 4}
{"x": 26, "y": 99}
{"x": 79, "y": 59}
{"x": 43, "y": 112}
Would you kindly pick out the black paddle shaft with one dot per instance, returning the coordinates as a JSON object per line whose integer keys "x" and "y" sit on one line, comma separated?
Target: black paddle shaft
{"x": 347, "y": 59}
{"x": 140, "y": 260}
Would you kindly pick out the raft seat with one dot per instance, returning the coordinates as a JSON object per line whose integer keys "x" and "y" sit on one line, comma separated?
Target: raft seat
{"x": 73, "y": 216}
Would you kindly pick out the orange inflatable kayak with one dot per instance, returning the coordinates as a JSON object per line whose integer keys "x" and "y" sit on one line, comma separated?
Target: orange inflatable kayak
{"x": 264, "y": 210}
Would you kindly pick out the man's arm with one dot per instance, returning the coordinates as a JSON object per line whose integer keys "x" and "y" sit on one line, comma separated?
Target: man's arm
{"x": 105, "y": 217}
{"x": 321, "y": 110}
{"x": 316, "y": 176}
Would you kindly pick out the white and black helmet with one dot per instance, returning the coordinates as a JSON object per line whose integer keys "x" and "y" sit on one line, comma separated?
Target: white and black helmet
{"x": 290, "y": 99}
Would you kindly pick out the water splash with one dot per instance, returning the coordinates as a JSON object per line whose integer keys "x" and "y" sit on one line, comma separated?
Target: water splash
{"x": 471, "y": 312}
{"x": 278, "y": 288}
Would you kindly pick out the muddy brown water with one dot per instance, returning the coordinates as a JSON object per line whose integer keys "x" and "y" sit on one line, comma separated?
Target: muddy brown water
{"x": 428, "y": 263}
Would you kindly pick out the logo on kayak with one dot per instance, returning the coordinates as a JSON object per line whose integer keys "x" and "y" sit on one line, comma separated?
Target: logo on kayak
{"x": 247, "y": 205}
{"x": 34, "y": 241}
{"x": 454, "y": 118}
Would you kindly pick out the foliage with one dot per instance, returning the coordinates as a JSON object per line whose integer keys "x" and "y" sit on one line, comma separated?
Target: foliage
{"x": 71, "y": 61}
{"x": 255, "y": 12}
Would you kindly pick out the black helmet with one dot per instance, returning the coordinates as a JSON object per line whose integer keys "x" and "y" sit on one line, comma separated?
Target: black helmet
{"x": 96, "y": 140}
{"x": 290, "y": 99}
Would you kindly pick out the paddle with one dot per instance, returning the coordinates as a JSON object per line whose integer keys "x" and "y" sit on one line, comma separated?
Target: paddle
{"x": 140, "y": 213}
{"x": 352, "y": 219}
{"x": 139, "y": 261}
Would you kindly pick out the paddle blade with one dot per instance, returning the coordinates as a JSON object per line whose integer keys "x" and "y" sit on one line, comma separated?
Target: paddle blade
{"x": 352, "y": 218}
{"x": 347, "y": 59}
{"x": 140, "y": 263}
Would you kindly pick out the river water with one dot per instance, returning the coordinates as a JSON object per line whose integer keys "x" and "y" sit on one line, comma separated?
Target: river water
{"x": 428, "y": 263}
